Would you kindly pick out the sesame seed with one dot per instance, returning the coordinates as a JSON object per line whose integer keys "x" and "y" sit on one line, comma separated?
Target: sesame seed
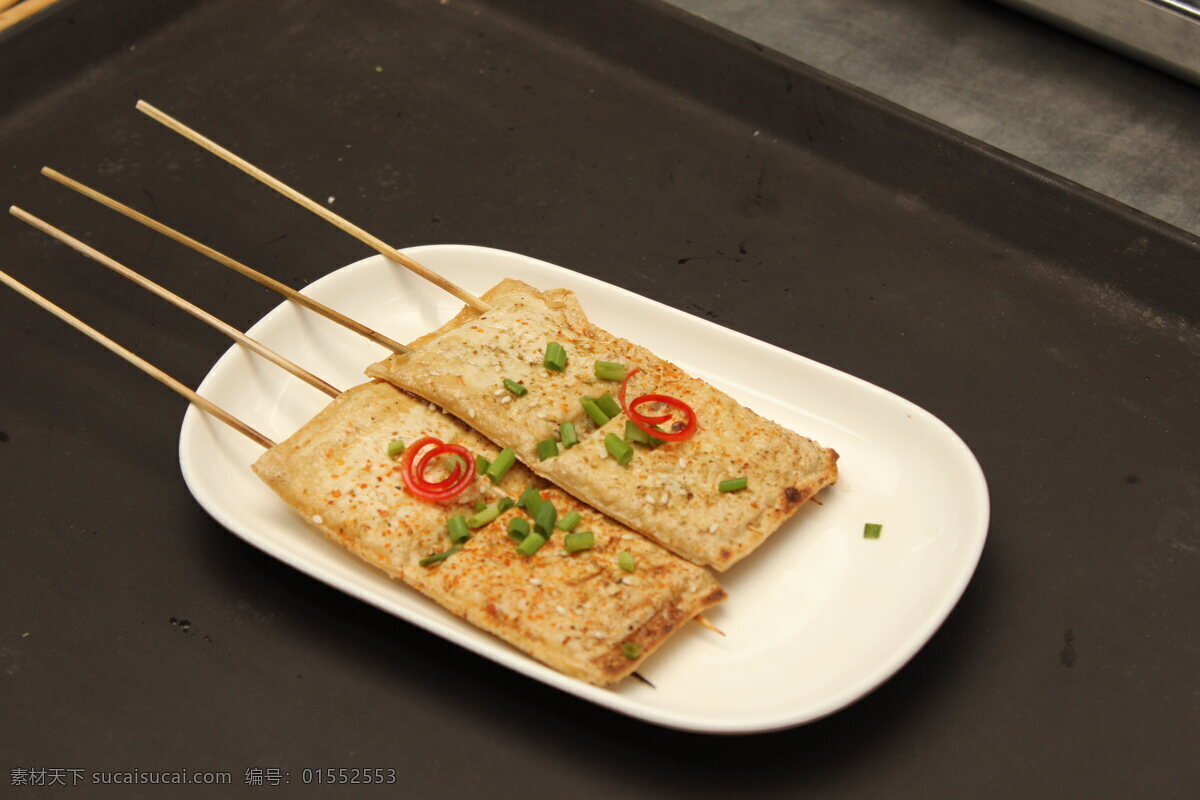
{"x": 471, "y": 413}
{"x": 712, "y": 528}
{"x": 560, "y": 609}
{"x": 506, "y": 399}
{"x": 536, "y": 581}
{"x": 317, "y": 519}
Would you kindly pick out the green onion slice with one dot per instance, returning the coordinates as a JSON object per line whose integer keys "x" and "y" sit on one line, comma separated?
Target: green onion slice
{"x": 505, "y": 504}
{"x": 635, "y": 434}
{"x": 618, "y": 449}
{"x": 625, "y": 561}
{"x": 872, "y": 530}
{"x": 610, "y": 371}
{"x": 429, "y": 561}
{"x": 516, "y": 388}
{"x": 481, "y": 518}
{"x": 593, "y": 411}
{"x": 530, "y": 500}
{"x": 732, "y": 485}
{"x": 531, "y": 544}
{"x": 568, "y": 522}
{"x": 518, "y": 529}
{"x": 569, "y": 437}
{"x": 543, "y": 520}
{"x": 631, "y": 650}
{"x": 609, "y": 406}
{"x": 574, "y": 542}
{"x": 481, "y": 465}
{"x": 395, "y": 448}
{"x": 547, "y": 448}
{"x": 500, "y": 467}
{"x": 458, "y": 529}
{"x": 556, "y": 357}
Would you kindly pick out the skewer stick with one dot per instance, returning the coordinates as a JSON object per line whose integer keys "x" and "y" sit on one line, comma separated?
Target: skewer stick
{"x": 26, "y": 9}
{"x": 321, "y": 211}
{"x": 225, "y": 260}
{"x": 6, "y": 3}
{"x": 137, "y": 361}
{"x": 705, "y": 623}
{"x": 175, "y": 299}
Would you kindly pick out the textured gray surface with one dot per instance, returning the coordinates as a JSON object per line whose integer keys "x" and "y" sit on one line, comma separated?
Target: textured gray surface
{"x": 1098, "y": 118}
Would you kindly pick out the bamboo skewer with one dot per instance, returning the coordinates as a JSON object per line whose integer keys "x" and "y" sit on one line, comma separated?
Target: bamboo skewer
{"x": 139, "y": 362}
{"x": 175, "y": 299}
{"x": 27, "y": 9}
{"x": 321, "y": 211}
{"x": 221, "y": 258}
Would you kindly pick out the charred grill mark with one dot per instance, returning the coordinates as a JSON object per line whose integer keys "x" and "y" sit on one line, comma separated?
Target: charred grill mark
{"x": 794, "y": 496}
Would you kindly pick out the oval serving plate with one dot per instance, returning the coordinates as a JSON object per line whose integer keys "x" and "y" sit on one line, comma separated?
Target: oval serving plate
{"x": 816, "y": 618}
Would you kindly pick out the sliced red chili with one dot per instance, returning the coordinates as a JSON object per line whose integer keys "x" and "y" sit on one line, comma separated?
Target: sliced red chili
{"x": 644, "y": 421}
{"x": 412, "y": 469}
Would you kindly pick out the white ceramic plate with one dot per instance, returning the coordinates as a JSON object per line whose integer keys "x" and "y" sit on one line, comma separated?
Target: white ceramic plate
{"x": 816, "y": 618}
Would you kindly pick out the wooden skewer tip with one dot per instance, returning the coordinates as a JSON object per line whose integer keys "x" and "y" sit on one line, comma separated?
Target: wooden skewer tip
{"x": 705, "y": 623}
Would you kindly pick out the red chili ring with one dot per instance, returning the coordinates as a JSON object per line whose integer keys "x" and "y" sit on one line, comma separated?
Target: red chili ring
{"x": 643, "y": 422}
{"x": 414, "y": 478}
{"x": 667, "y": 436}
{"x": 440, "y": 449}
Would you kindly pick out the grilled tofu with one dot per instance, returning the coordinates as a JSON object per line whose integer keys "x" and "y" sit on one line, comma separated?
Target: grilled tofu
{"x": 669, "y": 492}
{"x": 581, "y": 613}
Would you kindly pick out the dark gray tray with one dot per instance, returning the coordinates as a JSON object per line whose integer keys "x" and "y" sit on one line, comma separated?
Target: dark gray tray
{"x": 1055, "y": 331}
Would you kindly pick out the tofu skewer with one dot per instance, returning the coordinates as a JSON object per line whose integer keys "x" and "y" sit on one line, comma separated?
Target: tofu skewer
{"x": 585, "y": 612}
{"x": 712, "y": 499}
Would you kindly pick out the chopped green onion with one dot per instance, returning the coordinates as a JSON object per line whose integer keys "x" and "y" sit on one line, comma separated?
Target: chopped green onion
{"x": 429, "y": 561}
{"x": 518, "y": 529}
{"x": 547, "y": 448}
{"x": 503, "y": 463}
{"x": 631, "y": 650}
{"x": 568, "y": 522}
{"x": 531, "y": 544}
{"x": 530, "y": 500}
{"x": 593, "y": 411}
{"x": 514, "y": 387}
{"x": 872, "y": 530}
{"x": 574, "y": 542}
{"x": 625, "y": 561}
{"x": 618, "y": 448}
{"x": 556, "y": 357}
{"x": 732, "y": 485}
{"x": 395, "y": 448}
{"x": 458, "y": 529}
{"x": 610, "y": 371}
{"x": 481, "y": 518}
{"x": 609, "y": 406}
{"x": 569, "y": 437}
{"x": 480, "y": 506}
{"x": 505, "y": 504}
{"x": 543, "y": 520}
{"x": 635, "y": 434}
{"x": 481, "y": 465}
